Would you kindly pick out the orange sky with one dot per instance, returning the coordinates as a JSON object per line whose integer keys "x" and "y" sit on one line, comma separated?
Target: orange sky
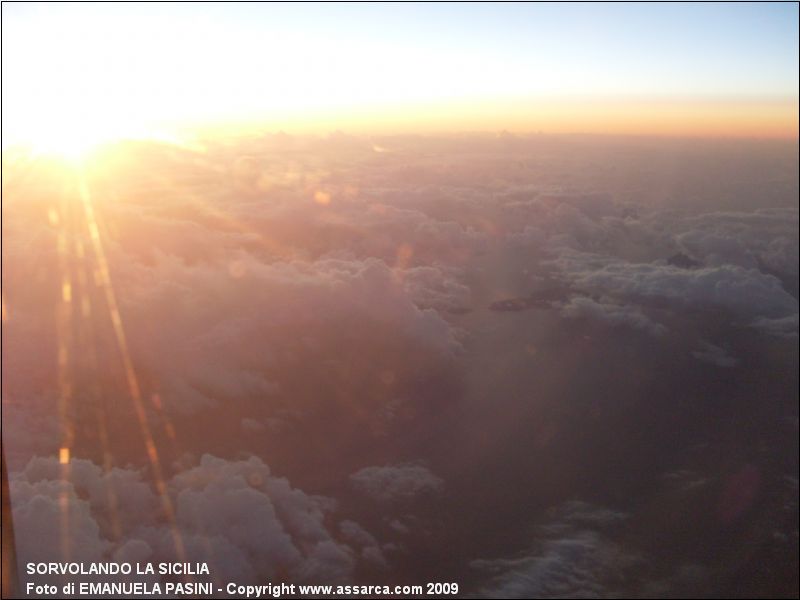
{"x": 615, "y": 116}
{"x": 76, "y": 74}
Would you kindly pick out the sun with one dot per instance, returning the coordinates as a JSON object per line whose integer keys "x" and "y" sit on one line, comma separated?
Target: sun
{"x": 68, "y": 139}
{"x": 66, "y": 144}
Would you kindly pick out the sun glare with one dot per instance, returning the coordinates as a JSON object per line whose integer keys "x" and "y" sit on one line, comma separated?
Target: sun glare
{"x": 81, "y": 76}
{"x": 68, "y": 143}
{"x": 74, "y": 140}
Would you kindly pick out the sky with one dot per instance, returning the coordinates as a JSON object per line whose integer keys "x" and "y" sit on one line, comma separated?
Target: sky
{"x": 72, "y": 71}
{"x": 530, "y": 365}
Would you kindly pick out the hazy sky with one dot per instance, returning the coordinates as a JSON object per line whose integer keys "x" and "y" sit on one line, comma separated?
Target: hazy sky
{"x": 722, "y": 68}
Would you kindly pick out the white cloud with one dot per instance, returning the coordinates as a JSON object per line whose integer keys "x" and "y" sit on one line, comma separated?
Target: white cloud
{"x": 403, "y": 482}
{"x": 613, "y": 314}
{"x": 358, "y": 537}
{"x": 745, "y": 258}
{"x": 575, "y": 557}
{"x": 221, "y": 339}
{"x": 747, "y": 293}
{"x": 236, "y": 515}
{"x": 767, "y": 237}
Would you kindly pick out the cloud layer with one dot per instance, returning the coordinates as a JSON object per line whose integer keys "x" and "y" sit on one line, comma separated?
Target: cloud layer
{"x": 435, "y": 340}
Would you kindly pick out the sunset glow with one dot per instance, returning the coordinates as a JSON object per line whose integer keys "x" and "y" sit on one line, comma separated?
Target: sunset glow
{"x": 400, "y": 300}
{"x": 77, "y": 75}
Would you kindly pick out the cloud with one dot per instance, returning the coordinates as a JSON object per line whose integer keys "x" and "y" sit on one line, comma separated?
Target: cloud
{"x": 747, "y": 261}
{"x": 436, "y": 287}
{"x": 358, "y": 537}
{"x": 764, "y": 238}
{"x": 222, "y": 339}
{"x": 252, "y": 426}
{"x": 314, "y": 301}
{"x": 715, "y": 355}
{"x": 575, "y": 557}
{"x": 403, "y": 482}
{"x": 236, "y": 515}
{"x": 613, "y": 314}
{"x": 785, "y": 327}
{"x": 275, "y": 526}
{"x": 746, "y": 293}
{"x": 40, "y": 511}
